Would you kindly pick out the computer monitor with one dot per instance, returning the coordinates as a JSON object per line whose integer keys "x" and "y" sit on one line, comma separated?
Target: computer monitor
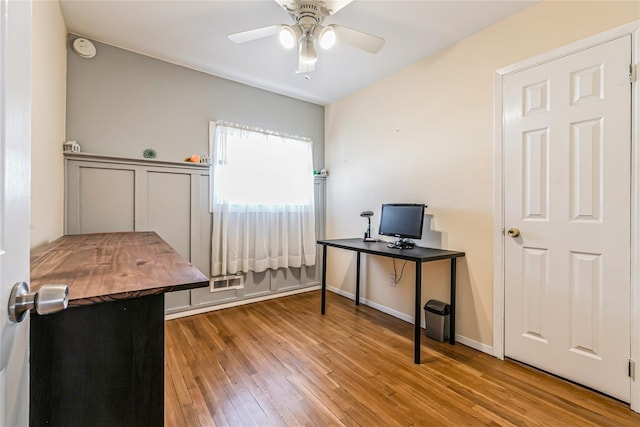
{"x": 402, "y": 220}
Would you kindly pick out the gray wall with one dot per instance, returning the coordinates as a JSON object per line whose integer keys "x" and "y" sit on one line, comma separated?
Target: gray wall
{"x": 120, "y": 102}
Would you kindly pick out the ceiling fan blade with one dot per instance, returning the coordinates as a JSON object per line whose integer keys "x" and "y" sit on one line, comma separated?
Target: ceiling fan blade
{"x": 358, "y": 39}
{"x": 258, "y": 33}
{"x": 287, "y": 5}
{"x": 333, "y": 6}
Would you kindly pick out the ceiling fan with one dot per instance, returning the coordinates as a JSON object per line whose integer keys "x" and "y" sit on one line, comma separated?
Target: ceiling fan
{"x": 308, "y": 29}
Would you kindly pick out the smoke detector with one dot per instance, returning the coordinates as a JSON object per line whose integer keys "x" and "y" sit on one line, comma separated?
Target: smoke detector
{"x": 84, "y": 48}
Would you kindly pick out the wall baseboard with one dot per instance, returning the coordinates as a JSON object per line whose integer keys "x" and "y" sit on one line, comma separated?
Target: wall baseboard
{"x": 402, "y": 316}
{"x": 379, "y": 307}
{"x": 476, "y": 345}
{"x": 209, "y": 308}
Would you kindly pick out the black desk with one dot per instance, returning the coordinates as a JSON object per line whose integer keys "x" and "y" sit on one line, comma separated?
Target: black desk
{"x": 418, "y": 255}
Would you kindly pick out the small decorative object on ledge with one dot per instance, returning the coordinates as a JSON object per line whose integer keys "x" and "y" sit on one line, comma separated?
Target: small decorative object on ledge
{"x": 71, "y": 146}
{"x": 149, "y": 153}
{"x": 205, "y": 160}
{"x": 193, "y": 159}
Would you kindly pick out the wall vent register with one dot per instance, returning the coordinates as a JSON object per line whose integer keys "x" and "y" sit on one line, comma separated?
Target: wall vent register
{"x": 222, "y": 283}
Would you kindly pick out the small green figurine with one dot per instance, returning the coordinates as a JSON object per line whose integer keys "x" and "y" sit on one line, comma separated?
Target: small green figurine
{"x": 149, "y": 153}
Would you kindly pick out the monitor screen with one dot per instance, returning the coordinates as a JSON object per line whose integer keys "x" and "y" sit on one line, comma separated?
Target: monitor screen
{"x": 402, "y": 220}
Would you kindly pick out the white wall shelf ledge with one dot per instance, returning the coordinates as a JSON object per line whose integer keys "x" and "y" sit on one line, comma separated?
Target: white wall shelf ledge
{"x": 89, "y": 157}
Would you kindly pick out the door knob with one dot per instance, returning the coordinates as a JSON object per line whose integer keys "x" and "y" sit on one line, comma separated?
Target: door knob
{"x": 513, "y": 232}
{"x": 50, "y": 299}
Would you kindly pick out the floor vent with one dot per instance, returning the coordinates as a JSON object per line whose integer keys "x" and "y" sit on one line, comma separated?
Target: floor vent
{"x": 222, "y": 283}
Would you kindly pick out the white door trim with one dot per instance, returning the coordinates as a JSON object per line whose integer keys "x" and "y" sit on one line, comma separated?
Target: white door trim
{"x": 632, "y": 28}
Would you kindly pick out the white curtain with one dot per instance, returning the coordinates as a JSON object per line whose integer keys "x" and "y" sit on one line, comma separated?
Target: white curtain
{"x": 261, "y": 199}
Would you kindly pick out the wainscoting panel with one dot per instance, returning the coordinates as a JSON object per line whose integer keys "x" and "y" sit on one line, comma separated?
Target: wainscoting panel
{"x": 107, "y": 193}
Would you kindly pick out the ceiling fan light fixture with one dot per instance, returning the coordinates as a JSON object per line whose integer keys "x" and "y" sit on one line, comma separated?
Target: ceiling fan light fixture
{"x": 308, "y": 53}
{"x": 307, "y": 28}
{"x": 289, "y": 36}
{"x": 327, "y": 37}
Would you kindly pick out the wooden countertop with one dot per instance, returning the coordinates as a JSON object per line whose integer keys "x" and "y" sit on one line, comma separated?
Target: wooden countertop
{"x": 111, "y": 266}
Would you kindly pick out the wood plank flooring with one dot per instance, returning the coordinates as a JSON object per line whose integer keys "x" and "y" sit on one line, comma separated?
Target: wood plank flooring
{"x": 281, "y": 363}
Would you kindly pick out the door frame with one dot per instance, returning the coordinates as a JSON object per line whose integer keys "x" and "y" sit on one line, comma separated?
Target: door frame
{"x": 15, "y": 140}
{"x": 632, "y": 29}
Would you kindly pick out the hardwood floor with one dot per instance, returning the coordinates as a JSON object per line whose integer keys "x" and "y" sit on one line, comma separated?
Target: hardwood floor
{"x": 280, "y": 362}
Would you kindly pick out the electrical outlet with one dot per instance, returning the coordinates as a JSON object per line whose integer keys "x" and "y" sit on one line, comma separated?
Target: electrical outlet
{"x": 392, "y": 279}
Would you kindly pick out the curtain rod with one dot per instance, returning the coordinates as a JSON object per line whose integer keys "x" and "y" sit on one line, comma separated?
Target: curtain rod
{"x": 260, "y": 130}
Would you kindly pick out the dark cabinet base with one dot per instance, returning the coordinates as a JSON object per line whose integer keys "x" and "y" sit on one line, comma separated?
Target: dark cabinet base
{"x": 99, "y": 365}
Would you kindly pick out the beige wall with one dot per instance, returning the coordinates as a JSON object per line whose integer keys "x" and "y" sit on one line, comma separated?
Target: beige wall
{"x": 49, "y": 69}
{"x": 425, "y": 134}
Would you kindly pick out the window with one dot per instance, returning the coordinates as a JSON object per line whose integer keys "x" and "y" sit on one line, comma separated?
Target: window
{"x": 256, "y": 168}
{"x": 261, "y": 200}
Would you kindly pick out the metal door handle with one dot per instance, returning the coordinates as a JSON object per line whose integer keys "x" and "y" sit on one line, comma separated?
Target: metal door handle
{"x": 50, "y": 299}
{"x": 513, "y": 232}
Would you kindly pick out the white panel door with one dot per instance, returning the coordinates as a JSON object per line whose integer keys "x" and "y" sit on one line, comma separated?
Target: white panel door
{"x": 567, "y": 177}
{"x": 15, "y": 141}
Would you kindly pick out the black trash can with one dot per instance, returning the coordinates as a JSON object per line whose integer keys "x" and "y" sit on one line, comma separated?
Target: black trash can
{"x": 436, "y": 317}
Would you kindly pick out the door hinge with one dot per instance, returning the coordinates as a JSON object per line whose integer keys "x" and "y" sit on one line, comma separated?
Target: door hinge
{"x": 632, "y": 73}
{"x": 632, "y": 369}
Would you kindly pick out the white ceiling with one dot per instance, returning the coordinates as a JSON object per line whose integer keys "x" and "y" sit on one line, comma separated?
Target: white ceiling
{"x": 193, "y": 34}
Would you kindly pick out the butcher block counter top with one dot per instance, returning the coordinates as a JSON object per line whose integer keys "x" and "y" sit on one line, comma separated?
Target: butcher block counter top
{"x": 113, "y": 266}
{"x": 101, "y": 362}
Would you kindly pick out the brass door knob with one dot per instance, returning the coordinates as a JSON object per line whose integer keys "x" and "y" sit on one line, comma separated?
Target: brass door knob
{"x": 513, "y": 232}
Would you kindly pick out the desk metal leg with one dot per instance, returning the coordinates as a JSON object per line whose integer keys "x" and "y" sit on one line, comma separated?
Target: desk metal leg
{"x": 416, "y": 337}
{"x": 452, "y": 315}
{"x": 324, "y": 279}
{"x": 358, "y": 278}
